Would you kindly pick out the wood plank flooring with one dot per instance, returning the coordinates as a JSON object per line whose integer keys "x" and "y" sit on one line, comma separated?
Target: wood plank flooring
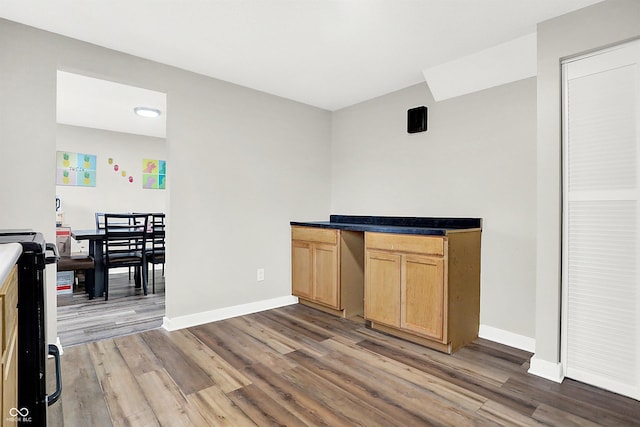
{"x": 296, "y": 366}
{"x": 128, "y": 310}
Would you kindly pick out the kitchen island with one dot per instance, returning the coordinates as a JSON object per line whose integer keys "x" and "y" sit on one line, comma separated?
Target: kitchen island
{"x": 414, "y": 277}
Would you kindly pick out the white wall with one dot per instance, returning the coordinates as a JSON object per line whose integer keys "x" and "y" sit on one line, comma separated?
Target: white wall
{"x": 249, "y": 163}
{"x": 112, "y": 193}
{"x": 477, "y": 159}
{"x": 27, "y": 139}
{"x": 585, "y": 30}
{"x": 241, "y": 165}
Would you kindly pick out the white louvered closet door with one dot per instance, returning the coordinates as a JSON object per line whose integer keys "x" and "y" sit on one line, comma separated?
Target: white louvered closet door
{"x": 601, "y": 219}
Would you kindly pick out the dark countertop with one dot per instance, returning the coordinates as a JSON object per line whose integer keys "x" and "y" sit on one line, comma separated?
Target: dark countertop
{"x": 399, "y": 225}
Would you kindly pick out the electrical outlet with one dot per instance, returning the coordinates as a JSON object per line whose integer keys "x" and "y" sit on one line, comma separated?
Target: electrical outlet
{"x": 260, "y": 274}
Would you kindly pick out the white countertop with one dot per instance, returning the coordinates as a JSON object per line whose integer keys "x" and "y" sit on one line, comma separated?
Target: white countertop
{"x": 9, "y": 254}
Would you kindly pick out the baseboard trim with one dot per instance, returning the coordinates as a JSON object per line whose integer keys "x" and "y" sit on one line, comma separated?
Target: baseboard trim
{"x": 549, "y": 370}
{"x": 181, "y": 322}
{"x": 507, "y": 338}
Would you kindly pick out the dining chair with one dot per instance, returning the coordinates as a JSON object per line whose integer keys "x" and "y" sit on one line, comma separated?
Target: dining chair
{"x": 125, "y": 246}
{"x": 156, "y": 248}
{"x": 100, "y": 226}
{"x": 99, "y": 220}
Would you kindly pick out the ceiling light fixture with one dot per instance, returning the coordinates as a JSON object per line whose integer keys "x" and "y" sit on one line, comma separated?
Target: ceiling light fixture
{"x": 147, "y": 112}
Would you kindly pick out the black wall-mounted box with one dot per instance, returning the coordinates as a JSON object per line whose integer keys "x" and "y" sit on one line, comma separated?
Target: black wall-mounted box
{"x": 417, "y": 119}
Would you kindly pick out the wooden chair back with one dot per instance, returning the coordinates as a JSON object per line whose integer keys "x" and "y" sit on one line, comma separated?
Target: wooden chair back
{"x": 125, "y": 239}
{"x": 158, "y": 232}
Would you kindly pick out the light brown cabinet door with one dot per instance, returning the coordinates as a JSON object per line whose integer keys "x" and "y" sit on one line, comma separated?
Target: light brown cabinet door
{"x": 10, "y": 376}
{"x": 301, "y": 269}
{"x": 423, "y": 296}
{"x": 325, "y": 260}
{"x": 382, "y": 288}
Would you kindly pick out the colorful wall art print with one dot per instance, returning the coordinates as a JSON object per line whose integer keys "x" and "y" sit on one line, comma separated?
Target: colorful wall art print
{"x": 154, "y": 174}
{"x": 75, "y": 169}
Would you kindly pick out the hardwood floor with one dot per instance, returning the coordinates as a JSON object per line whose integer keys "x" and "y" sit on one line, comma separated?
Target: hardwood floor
{"x": 296, "y": 366}
{"x": 127, "y": 311}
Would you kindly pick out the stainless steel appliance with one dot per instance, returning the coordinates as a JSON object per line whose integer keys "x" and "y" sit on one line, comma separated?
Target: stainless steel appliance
{"x": 32, "y": 346}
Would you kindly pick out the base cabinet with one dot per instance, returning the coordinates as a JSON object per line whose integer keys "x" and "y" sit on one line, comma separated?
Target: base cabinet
{"x": 9, "y": 328}
{"x": 328, "y": 269}
{"x": 315, "y": 266}
{"x": 422, "y": 288}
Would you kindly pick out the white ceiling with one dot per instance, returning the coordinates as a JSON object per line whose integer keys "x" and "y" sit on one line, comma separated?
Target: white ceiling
{"x": 94, "y": 103}
{"x": 326, "y": 53}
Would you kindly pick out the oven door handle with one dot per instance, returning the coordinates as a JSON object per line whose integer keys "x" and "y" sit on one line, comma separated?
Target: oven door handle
{"x": 51, "y": 259}
{"x": 55, "y": 352}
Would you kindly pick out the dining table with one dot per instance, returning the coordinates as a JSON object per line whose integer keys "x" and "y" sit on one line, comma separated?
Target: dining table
{"x": 96, "y": 238}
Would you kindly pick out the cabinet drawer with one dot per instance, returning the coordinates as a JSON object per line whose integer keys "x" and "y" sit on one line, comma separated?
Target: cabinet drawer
{"x": 312, "y": 234}
{"x": 405, "y": 243}
{"x": 9, "y": 301}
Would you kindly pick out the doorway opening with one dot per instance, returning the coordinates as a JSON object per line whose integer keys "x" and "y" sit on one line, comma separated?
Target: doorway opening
{"x": 110, "y": 160}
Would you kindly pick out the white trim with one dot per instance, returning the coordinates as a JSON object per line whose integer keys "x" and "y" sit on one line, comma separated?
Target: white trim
{"x": 507, "y": 338}
{"x": 597, "y": 52}
{"x": 564, "y": 242}
{"x": 545, "y": 369}
{"x": 181, "y": 322}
